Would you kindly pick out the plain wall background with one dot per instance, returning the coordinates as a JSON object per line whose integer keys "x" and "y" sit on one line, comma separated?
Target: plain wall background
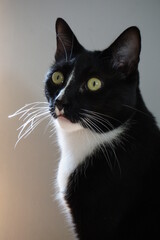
{"x": 27, "y": 44}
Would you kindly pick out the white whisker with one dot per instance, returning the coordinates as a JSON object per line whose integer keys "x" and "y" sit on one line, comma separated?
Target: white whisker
{"x": 137, "y": 110}
{"x": 26, "y": 108}
{"x": 113, "y": 150}
{"x": 26, "y": 130}
{"x": 49, "y": 124}
{"x": 101, "y": 114}
{"x": 32, "y": 115}
{"x": 99, "y": 120}
{"x": 102, "y": 147}
{"x": 91, "y": 119}
{"x": 31, "y": 127}
{"x": 94, "y": 126}
{"x": 39, "y": 110}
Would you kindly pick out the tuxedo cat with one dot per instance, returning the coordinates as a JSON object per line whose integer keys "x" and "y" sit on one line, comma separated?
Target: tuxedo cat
{"x": 109, "y": 172}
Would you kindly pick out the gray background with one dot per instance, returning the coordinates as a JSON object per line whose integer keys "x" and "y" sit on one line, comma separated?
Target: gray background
{"x": 27, "y": 44}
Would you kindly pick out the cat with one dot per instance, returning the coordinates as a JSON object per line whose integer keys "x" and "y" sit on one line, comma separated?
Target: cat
{"x": 109, "y": 172}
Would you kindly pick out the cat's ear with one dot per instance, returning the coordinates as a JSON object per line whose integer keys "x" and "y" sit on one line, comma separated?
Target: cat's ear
{"x": 125, "y": 51}
{"x": 67, "y": 44}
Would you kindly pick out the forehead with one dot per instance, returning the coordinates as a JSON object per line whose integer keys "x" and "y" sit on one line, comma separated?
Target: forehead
{"x": 87, "y": 60}
{"x": 87, "y": 63}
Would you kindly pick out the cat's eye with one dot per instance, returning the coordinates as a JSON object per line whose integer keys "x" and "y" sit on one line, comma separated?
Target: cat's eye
{"x": 57, "y": 78}
{"x": 94, "y": 84}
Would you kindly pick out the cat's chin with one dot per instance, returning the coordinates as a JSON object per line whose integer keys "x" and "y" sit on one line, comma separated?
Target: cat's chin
{"x": 66, "y": 125}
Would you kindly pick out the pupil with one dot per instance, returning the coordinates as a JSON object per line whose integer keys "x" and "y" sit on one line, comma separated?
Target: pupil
{"x": 94, "y": 84}
{"x": 58, "y": 77}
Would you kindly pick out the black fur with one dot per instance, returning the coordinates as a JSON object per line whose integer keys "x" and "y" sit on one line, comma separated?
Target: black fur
{"x": 120, "y": 202}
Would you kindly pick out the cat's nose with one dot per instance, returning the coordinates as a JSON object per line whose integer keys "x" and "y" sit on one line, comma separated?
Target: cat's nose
{"x": 59, "y": 112}
{"x": 60, "y": 104}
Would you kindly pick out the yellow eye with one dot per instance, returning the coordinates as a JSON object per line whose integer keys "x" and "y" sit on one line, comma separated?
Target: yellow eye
{"x": 57, "y": 78}
{"x": 94, "y": 84}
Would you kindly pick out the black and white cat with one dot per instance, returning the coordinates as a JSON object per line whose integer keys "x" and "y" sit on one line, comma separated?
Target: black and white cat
{"x": 109, "y": 171}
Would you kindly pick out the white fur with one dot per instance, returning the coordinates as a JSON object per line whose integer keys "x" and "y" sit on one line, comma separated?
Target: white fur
{"x": 76, "y": 143}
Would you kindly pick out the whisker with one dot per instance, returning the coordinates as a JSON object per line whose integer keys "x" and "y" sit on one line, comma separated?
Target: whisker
{"x": 100, "y": 120}
{"x": 27, "y": 112}
{"x": 101, "y": 114}
{"x": 50, "y": 123}
{"x": 89, "y": 118}
{"x": 72, "y": 47}
{"x": 104, "y": 120}
{"x": 112, "y": 148}
{"x": 137, "y": 110}
{"x": 37, "y": 123}
{"x": 106, "y": 155}
{"x": 94, "y": 125}
{"x": 101, "y": 146}
{"x": 32, "y": 115}
{"x": 33, "y": 126}
{"x": 34, "y": 118}
{"x": 25, "y": 108}
{"x": 25, "y": 131}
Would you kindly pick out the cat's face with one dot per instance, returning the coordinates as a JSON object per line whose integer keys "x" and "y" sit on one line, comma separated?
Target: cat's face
{"x": 92, "y": 89}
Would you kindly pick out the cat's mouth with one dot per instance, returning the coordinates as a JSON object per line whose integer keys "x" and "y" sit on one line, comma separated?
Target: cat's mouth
{"x": 62, "y": 118}
{"x": 59, "y": 113}
{"x": 65, "y": 123}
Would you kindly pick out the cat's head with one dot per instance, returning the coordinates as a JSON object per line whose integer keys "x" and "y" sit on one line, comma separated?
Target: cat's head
{"x": 91, "y": 89}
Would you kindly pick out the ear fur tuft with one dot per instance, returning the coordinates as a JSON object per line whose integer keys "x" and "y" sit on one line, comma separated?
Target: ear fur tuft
{"x": 67, "y": 43}
{"x": 126, "y": 50}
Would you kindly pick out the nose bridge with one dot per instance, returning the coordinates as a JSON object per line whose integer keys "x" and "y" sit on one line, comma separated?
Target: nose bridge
{"x": 63, "y": 94}
{"x": 61, "y": 100}
{"x": 60, "y": 95}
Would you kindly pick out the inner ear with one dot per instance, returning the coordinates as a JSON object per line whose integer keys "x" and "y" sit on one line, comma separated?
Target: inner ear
{"x": 67, "y": 43}
{"x": 125, "y": 51}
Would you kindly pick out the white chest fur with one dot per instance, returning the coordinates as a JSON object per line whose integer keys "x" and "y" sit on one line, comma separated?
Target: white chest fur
{"x": 76, "y": 146}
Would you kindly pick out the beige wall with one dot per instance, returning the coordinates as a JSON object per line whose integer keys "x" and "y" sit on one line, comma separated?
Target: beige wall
{"x": 27, "y": 45}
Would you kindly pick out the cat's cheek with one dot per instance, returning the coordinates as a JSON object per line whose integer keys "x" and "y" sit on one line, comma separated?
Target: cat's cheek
{"x": 66, "y": 125}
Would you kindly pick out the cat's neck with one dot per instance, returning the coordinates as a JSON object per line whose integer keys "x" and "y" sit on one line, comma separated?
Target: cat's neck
{"x": 78, "y": 145}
